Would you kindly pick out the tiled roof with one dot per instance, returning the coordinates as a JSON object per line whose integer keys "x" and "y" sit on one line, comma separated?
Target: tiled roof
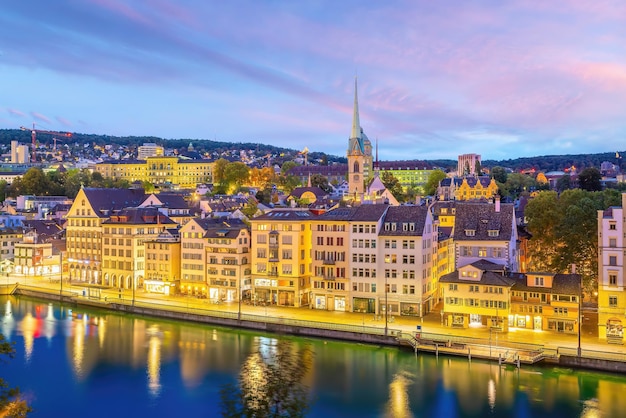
{"x": 488, "y": 278}
{"x": 401, "y": 215}
{"x": 299, "y": 191}
{"x": 286, "y": 215}
{"x": 563, "y": 284}
{"x": 481, "y": 217}
{"x": 105, "y": 201}
{"x": 138, "y": 216}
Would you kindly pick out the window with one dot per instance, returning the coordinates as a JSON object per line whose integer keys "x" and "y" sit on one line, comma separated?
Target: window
{"x": 538, "y": 281}
{"x": 612, "y": 260}
{"x": 612, "y": 226}
{"x": 613, "y": 301}
{"x": 453, "y": 286}
{"x": 612, "y": 242}
{"x": 612, "y": 279}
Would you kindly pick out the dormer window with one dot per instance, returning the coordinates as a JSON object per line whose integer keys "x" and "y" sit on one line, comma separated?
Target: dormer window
{"x": 393, "y": 227}
{"x": 493, "y": 233}
{"x": 470, "y": 232}
{"x": 387, "y": 227}
{"x": 411, "y": 227}
{"x": 405, "y": 226}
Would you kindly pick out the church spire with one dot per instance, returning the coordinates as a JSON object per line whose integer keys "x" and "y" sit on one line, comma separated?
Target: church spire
{"x": 356, "y": 124}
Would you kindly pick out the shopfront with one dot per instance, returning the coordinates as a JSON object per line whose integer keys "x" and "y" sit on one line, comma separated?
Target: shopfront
{"x": 364, "y": 305}
{"x": 562, "y": 325}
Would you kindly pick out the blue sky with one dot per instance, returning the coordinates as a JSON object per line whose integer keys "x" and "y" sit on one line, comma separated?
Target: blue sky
{"x": 503, "y": 79}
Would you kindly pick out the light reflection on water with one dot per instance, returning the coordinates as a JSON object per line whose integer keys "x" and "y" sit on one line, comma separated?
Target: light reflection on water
{"x": 182, "y": 367}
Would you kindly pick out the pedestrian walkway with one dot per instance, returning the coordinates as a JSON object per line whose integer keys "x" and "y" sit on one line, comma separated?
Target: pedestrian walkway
{"x": 431, "y": 324}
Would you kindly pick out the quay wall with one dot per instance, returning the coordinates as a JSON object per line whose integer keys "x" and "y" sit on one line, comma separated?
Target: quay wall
{"x": 605, "y": 365}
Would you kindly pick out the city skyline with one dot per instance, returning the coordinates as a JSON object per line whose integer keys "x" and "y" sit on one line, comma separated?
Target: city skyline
{"x": 504, "y": 80}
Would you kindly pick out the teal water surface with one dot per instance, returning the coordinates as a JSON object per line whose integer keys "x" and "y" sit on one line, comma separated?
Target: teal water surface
{"x": 77, "y": 362}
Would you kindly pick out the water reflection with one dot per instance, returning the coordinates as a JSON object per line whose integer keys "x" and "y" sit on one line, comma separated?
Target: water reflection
{"x": 399, "y": 405}
{"x": 349, "y": 377}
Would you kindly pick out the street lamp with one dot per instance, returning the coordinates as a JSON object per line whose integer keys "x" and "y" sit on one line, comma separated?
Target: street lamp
{"x": 386, "y": 307}
{"x": 580, "y": 297}
{"x": 61, "y": 291}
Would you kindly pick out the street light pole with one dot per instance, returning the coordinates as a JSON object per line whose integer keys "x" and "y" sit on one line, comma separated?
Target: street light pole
{"x": 61, "y": 291}
{"x": 580, "y": 297}
{"x": 386, "y": 305}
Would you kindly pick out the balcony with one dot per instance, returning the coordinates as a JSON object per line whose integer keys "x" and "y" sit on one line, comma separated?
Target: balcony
{"x": 328, "y": 262}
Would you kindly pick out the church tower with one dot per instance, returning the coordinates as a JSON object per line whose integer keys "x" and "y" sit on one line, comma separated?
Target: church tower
{"x": 356, "y": 154}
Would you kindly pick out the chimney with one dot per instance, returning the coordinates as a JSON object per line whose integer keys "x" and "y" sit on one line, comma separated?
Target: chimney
{"x": 497, "y": 203}
{"x": 573, "y": 268}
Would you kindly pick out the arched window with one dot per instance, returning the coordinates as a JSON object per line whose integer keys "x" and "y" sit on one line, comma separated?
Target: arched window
{"x": 356, "y": 167}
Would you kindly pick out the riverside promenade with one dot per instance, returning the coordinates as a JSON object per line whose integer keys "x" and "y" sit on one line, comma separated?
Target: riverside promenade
{"x": 516, "y": 347}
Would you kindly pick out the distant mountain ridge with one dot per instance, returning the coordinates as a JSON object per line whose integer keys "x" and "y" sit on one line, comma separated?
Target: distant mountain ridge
{"x": 539, "y": 163}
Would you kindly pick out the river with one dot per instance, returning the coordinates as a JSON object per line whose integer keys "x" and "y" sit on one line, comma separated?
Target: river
{"x": 79, "y": 362}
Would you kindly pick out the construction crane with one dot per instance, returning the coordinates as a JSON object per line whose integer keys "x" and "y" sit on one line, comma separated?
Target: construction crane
{"x": 33, "y": 134}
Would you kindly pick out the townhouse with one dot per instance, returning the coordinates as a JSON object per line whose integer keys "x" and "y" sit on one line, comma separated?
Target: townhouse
{"x": 124, "y": 235}
{"x": 611, "y": 260}
{"x": 408, "y": 243}
{"x": 281, "y": 257}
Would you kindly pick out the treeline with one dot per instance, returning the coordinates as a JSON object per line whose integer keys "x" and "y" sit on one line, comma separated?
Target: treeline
{"x": 200, "y": 145}
{"x": 56, "y": 183}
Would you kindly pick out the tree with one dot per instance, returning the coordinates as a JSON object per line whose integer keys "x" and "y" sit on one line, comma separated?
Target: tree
{"x": 318, "y": 180}
{"x": 478, "y": 170}
{"x": 270, "y": 385}
{"x": 590, "y": 179}
{"x": 287, "y": 165}
{"x": 11, "y": 403}
{"x": 563, "y": 183}
{"x": 236, "y": 174}
{"x": 435, "y": 177}
{"x": 516, "y": 183}
{"x": 393, "y": 185}
{"x": 219, "y": 168}
{"x": 564, "y": 231}
{"x": 499, "y": 174}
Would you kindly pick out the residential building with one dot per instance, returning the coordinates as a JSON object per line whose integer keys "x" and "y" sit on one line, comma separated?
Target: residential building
{"x": 90, "y": 209}
{"x": 485, "y": 231}
{"x": 193, "y": 256}
{"x": 408, "y": 253}
{"x": 611, "y": 260}
{"x": 476, "y": 294}
{"x": 8, "y": 238}
{"x": 173, "y": 205}
{"x": 32, "y": 258}
{"x": 228, "y": 258}
{"x": 163, "y": 253}
{"x": 367, "y": 283}
{"x": 124, "y": 235}
{"x": 281, "y": 257}
{"x": 330, "y": 289}
{"x": 546, "y": 301}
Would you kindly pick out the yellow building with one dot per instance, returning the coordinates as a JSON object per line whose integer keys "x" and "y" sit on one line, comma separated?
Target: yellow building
{"x": 546, "y": 301}
{"x": 160, "y": 171}
{"x": 477, "y": 294}
{"x": 228, "y": 258}
{"x": 215, "y": 259}
{"x": 330, "y": 281}
{"x": 90, "y": 209}
{"x": 123, "y": 245}
{"x": 281, "y": 257}
{"x": 467, "y": 188}
{"x": 163, "y": 263}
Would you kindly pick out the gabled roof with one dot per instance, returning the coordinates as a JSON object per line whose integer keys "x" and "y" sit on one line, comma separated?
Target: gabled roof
{"x": 563, "y": 284}
{"x": 105, "y": 201}
{"x": 401, "y": 215}
{"x": 172, "y": 200}
{"x": 139, "y": 216}
{"x": 286, "y": 215}
{"x": 482, "y": 217}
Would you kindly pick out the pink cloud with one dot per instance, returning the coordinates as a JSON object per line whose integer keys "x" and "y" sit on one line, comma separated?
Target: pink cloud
{"x": 16, "y": 112}
{"x": 63, "y": 121}
{"x": 40, "y": 117}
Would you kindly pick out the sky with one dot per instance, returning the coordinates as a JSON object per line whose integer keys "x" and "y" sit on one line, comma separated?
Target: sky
{"x": 436, "y": 79}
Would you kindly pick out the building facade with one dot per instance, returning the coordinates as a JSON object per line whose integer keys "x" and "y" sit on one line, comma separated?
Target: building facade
{"x": 281, "y": 257}
{"x": 611, "y": 260}
{"x": 161, "y": 171}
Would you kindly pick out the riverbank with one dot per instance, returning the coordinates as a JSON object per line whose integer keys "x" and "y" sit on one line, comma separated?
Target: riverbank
{"x": 510, "y": 348}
